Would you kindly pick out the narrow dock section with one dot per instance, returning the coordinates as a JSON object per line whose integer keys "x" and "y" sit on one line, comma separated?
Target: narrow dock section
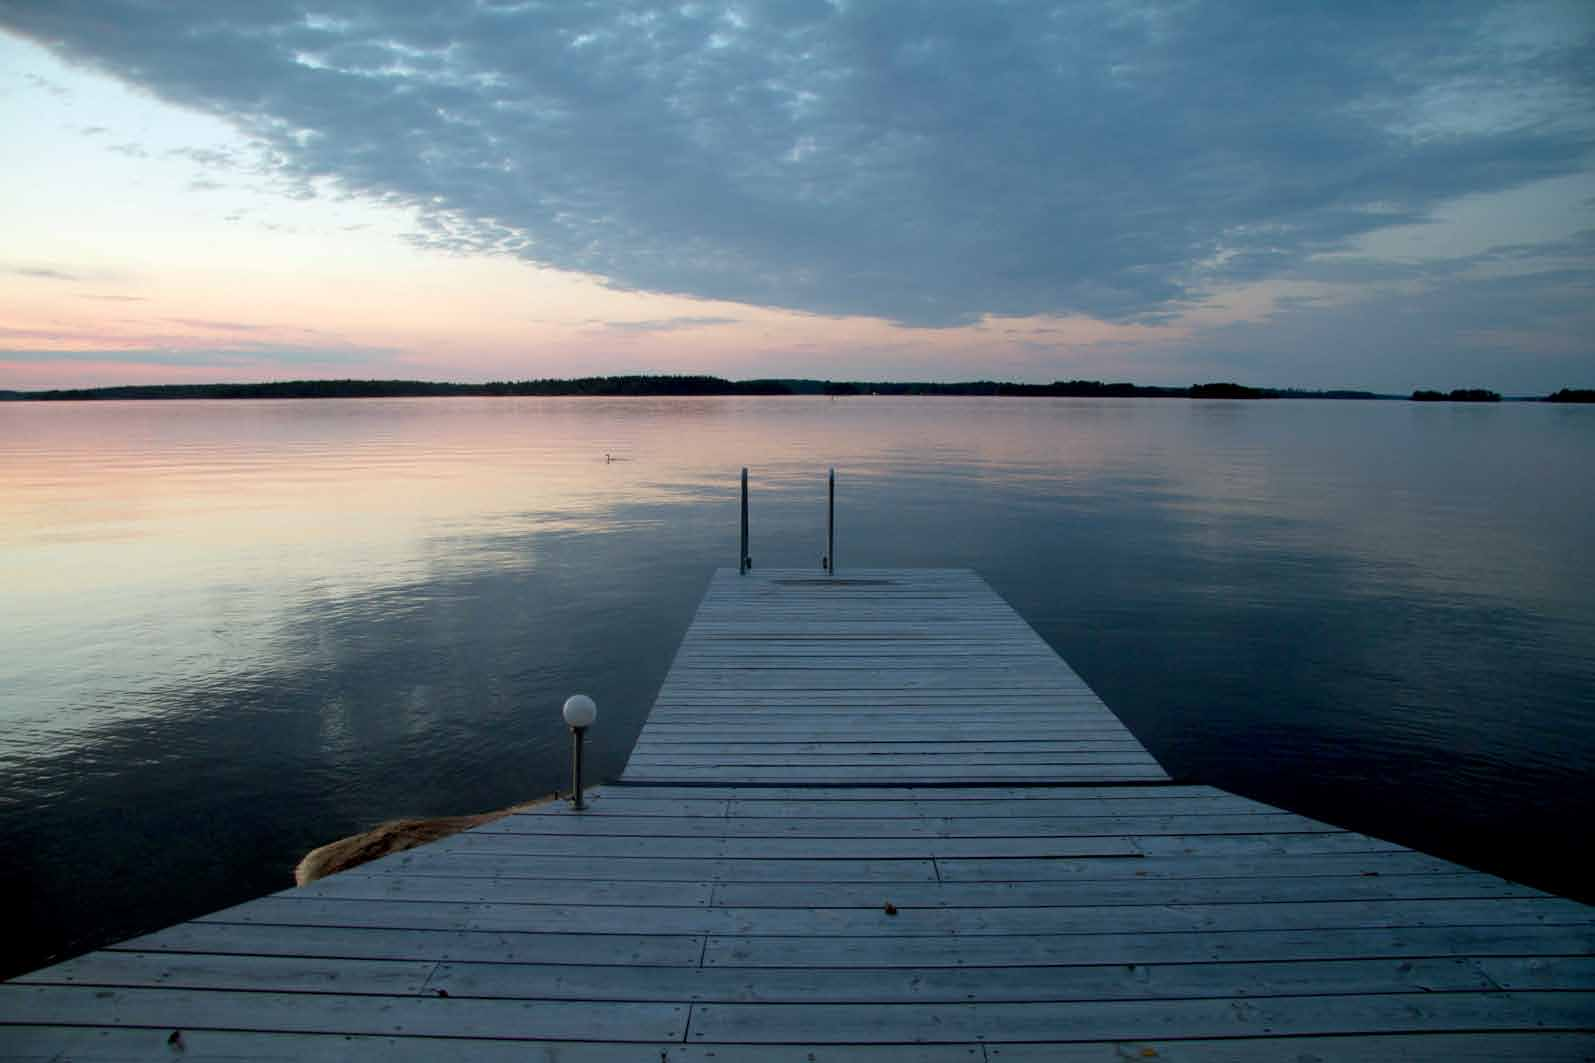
{"x": 920, "y": 676}
{"x": 876, "y": 819}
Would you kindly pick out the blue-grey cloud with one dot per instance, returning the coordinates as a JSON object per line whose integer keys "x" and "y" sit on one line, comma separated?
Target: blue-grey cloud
{"x": 922, "y": 161}
{"x": 1524, "y": 333}
{"x": 1532, "y": 260}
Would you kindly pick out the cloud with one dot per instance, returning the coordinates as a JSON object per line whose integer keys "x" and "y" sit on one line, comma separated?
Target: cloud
{"x": 925, "y": 162}
{"x": 217, "y": 326}
{"x": 41, "y": 273}
{"x": 220, "y": 357}
{"x": 210, "y": 158}
{"x": 668, "y": 324}
{"x": 46, "y": 85}
{"x": 1523, "y": 332}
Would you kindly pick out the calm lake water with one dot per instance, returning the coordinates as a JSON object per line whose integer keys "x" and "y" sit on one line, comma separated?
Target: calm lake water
{"x": 232, "y": 631}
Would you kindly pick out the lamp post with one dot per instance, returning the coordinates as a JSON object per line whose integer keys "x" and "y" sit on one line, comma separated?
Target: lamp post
{"x": 744, "y": 562}
{"x": 830, "y": 524}
{"x": 580, "y": 711}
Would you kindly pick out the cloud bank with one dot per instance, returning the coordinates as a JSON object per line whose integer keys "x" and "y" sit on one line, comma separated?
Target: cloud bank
{"x": 925, "y": 162}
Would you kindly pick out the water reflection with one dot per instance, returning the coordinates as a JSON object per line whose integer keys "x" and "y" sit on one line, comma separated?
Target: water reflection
{"x": 236, "y": 630}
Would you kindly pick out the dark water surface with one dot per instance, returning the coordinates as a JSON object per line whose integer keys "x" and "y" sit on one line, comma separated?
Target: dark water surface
{"x": 232, "y": 631}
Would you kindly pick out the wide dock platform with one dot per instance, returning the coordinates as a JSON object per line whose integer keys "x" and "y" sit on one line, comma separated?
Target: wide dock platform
{"x": 869, "y": 818}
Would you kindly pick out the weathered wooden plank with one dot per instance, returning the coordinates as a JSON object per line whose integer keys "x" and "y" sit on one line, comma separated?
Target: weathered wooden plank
{"x": 1059, "y": 693}
{"x": 1020, "y": 722}
{"x": 972, "y": 757}
{"x": 807, "y": 848}
{"x": 937, "y": 773}
{"x": 290, "y": 910}
{"x": 1131, "y": 891}
{"x": 650, "y": 893}
{"x": 903, "y": 827}
{"x": 299, "y": 974}
{"x": 949, "y": 985}
{"x": 1044, "y": 950}
{"x": 925, "y": 747}
{"x": 860, "y": 673}
{"x": 1020, "y": 719}
{"x": 414, "y": 1016}
{"x": 1479, "y": 1046}
{"x": 1039, "y": 807}
{"x": 756, "y": 651}
{"x": 877, "y": 653}
{"x": 1020, "y": 716}
{"x": 996, "y": 674}
{"x": 958, "y": 795}
{"x": 1104, "y": 1020}
{"x": 1018, "y": 708}
{"x": 543, "y": 867}
{"x": 610, "y": 802}
{"x": 1246, "y": 845}
{"x": 845, "y": 729}
{"x": 1540, "y": 972}
{"x": 883, "y": 722}
{"x": 55, "y": 1044}
{"x": 1373, "y": 863}
{"x": 1053, "y": 696}
{"x": 361, "y": 943}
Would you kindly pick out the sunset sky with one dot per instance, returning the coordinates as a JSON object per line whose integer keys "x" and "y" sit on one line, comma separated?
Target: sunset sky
{"x": 1386, "y": 196}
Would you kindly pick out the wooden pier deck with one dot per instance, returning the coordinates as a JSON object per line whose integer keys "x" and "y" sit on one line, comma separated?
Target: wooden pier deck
{"x": 872, "y": 818}
{"x": 905, "y": 677}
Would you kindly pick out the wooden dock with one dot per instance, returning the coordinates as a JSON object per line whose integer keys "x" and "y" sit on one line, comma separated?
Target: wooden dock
{"x": 869, "y": 818}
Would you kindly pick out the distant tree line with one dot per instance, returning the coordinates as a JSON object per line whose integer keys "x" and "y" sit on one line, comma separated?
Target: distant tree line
{"x": 277, "y": 389}
{"x": 665, "y": 385}
{"x": 361, "y": 389}
{"x": 1458, "y": 395}
{"x": 711, "y": 385}
{"x": 635, "y": 385}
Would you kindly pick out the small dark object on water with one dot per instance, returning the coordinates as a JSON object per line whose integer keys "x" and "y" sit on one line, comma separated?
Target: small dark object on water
{"x": 889, "y": 908}
{"x": 176, "y": 1040}
{"x": 441, "y": 992}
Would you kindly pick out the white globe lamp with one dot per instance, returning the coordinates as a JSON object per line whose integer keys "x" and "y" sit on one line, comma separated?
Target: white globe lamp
{"x": 580, "y": 711}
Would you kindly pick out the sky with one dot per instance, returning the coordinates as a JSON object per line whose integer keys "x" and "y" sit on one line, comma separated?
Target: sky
{"x": 1345, "y": 194}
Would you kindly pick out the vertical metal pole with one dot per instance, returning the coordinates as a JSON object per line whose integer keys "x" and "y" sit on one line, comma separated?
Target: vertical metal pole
{"x": 576, "y": 767}
{"x": 830, "y": 526}
{"x": 742, "y": 555}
